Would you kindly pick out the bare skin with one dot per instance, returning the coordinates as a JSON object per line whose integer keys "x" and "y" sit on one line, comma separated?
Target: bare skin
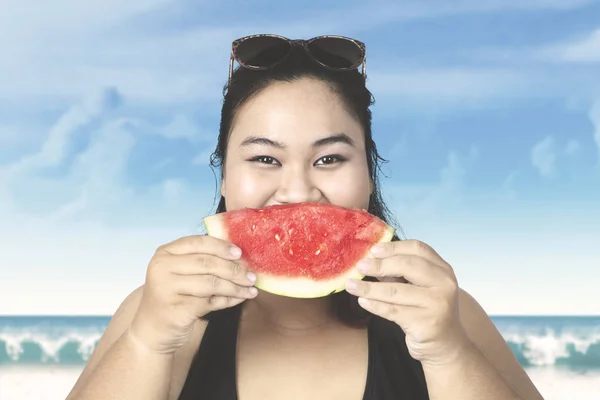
{"x": 293, "y": 142}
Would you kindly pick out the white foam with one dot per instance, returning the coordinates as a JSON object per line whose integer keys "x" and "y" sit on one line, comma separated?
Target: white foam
{"x": 50, "y": 345}
{"x": 544, "y": 350}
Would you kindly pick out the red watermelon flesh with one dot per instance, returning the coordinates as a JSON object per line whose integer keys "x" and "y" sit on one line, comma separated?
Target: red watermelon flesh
{"x": 304, "y": 249}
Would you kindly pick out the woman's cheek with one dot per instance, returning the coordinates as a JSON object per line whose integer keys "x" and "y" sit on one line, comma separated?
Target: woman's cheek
{"x": 246, "y": 188}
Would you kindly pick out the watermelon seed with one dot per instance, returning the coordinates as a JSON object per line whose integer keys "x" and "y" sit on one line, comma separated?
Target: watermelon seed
{"x": 318, "y": 252}
{"x": 277, "y": 238}
{"x": 291, "y": 252}
{"x": 253, "y": 227}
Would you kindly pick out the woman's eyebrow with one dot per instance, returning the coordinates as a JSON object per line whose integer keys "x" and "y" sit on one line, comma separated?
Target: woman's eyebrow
{"x": 337, "y": 138}
{"x": 263, "y": 141}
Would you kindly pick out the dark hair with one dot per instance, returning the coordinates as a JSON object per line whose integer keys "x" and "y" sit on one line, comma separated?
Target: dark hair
{"x": 351, "y": 88}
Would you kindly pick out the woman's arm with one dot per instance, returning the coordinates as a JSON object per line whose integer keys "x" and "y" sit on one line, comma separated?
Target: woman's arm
{"x": 492, "y": 349}
{"x": 470, "y": 376}
{"x": 484, "y": 369}
{"x": 120, "y": 369}
{"x": 131, "y": 372}
{"x": 127, "y": 371}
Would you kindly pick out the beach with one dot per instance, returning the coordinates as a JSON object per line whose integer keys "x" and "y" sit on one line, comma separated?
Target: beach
{"x": 42, "y": 357}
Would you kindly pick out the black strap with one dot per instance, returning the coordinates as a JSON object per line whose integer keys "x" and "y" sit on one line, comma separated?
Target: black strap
{"x": 397, "y": 375}
{"x": 212, "y": 373}
{"x": 392, "y": 372}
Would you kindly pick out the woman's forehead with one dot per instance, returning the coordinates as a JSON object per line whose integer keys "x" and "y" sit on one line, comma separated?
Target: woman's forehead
{"x": 301, "y": 111}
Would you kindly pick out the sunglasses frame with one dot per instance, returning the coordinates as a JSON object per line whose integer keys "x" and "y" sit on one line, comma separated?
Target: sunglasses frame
{"x": 305, "y": 43}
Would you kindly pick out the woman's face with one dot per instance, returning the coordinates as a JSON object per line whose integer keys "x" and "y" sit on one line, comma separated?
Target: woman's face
{"x": 295, "y": 142}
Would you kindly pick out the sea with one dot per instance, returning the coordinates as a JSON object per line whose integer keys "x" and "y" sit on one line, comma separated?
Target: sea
{"x": 41, "y": 357}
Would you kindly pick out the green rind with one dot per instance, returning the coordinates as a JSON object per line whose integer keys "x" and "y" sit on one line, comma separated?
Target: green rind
{"x": 214, "y": 227}
{"x": 295, "y": 287}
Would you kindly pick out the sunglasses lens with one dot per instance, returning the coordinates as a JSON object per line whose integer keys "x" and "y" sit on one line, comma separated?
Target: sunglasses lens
{"x": 336, "y": 52}
{"x": 262, "y": 51}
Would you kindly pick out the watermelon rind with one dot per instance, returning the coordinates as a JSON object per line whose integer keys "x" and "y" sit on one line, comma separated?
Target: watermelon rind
{"x": 214, "y": 227}
{"x": 296, "y": 287}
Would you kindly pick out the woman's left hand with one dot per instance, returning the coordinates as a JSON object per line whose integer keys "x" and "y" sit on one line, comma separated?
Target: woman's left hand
{"x": 417, "y": 290}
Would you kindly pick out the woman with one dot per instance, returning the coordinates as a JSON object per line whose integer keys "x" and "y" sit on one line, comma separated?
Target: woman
{"x": 295, "y": 127}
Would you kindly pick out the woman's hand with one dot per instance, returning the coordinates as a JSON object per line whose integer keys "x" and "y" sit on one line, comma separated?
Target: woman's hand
{"x": 185, "y": 280}
{"x": 417, "y": 290}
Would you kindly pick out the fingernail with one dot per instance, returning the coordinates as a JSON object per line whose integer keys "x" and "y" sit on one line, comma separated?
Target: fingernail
{"x": 251, "y": 276}
{"x": 351, "y": 284}
{"x": 253, "y": 291}
{"x": 377, "y": 249}
{"x": 235, "y": 251}
{"x": 363, "y": 266}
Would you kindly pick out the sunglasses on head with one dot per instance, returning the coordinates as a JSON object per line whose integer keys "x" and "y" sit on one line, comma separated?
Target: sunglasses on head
{"x": 261, "y": 52}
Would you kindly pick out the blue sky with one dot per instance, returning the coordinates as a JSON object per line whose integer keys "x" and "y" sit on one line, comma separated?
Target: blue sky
{"x": 489, "y": 113}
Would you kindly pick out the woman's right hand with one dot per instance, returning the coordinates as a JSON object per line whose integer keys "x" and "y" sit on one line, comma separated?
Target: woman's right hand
{"x": 185, "y": 280}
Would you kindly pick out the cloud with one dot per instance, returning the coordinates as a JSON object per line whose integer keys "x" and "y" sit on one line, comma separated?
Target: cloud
{"x": 37, "y": 176}
{"x": 142, "y": 48}
{"x": 573, "y": 147}
{"x": 452, "y": 173}
{"x": 76, "y": 48}
{"x": 594, "y": 116}
{"x": 542, "y": 70}
{"x": 180, "y": 128}
{"x": 508, "y": 186}
{"x": 543, "y": 156}
{"x": 433, "y": 90}
{"x": 581, "y": 49}
{"x": 67, "y": 16}
{"x": 400, "y": 148}
{"x": 80, "y": 115}
{"x": 203, "y": 157}
{"x": 174, "y": 189}
{"x": 74, "y": 205}
{"x": 81, "y": 169}
{"x": 76, "y": 199}
{"x": 445, "y": 193}
{"x": 88, "y": 261}
{"x": 12, "y": 135}
{"x": 92, "y": 183}
{"x": 97, "y": 173}
{"x": 388, "y": 11}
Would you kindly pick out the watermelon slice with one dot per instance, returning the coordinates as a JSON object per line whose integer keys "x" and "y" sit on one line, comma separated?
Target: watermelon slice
{"x": 302, "y": 250}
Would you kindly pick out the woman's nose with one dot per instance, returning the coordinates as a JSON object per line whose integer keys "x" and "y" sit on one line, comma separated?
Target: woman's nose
{"x": 297, "y": 186}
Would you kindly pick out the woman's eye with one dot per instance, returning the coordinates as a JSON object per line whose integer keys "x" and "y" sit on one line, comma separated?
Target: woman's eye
{"x": 331, "y": 159}
{"x": 265, "y": 160}
{"x": 326, "y": 160}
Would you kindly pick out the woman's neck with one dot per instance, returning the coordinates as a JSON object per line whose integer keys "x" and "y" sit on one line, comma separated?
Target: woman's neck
{"x": 289, "y": 316}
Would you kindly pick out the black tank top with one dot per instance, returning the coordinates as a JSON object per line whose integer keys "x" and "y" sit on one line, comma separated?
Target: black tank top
{"x": 392, "y": 373}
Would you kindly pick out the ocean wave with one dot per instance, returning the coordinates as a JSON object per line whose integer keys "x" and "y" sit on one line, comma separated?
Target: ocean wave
{"x": 568, "y": 341}
{"x": 556, "y": 350}
{"x": 71, "y": 350}
{"x": 47, "y": 340}
{"x": 536, "y": 342}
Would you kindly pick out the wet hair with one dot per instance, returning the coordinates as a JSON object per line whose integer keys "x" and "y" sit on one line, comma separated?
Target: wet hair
{"x": 350, "y": 87}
